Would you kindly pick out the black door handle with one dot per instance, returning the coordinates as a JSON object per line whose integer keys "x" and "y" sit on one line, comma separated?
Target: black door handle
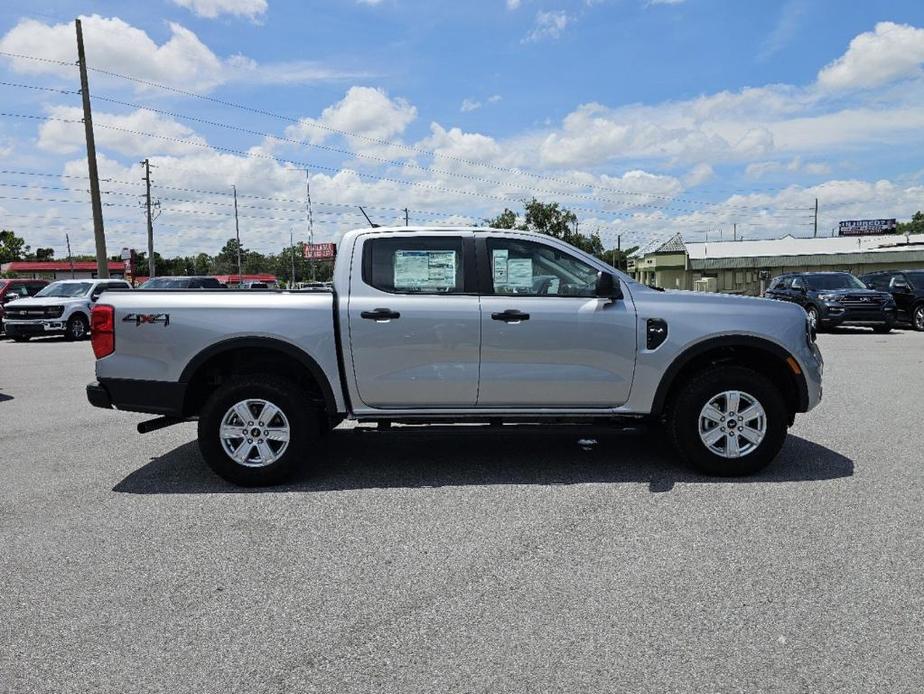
{"x": 380, "y": 314}
{"x": 510, "y": 316}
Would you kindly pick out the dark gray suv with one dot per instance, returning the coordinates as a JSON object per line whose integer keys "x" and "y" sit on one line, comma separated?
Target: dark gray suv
{"x": 835, "y": 298}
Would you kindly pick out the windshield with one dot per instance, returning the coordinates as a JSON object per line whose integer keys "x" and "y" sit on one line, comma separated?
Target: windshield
{"x": 839, "y": 280}
{"x": 164, "y": 283}
{"x": 66, "y": 289}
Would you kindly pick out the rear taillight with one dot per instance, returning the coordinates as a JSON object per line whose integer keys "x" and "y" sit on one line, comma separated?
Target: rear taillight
{"x": 102, "y": 330}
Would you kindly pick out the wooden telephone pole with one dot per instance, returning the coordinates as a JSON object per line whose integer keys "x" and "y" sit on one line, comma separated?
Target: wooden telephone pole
{"x": 147, "y": 204}
{"x": 102, "y": 261}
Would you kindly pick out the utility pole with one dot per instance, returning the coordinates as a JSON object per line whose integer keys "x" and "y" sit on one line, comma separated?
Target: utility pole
{"x": 619, "y": 251}
{"x": 237, "y": 235}
{"x": 310, "y": 215}
{"x": 815, "y": 234}
{"x": 406, "y": 217}
{"x": 102, "y": 261}
{"x": 70, "y": 258}
{"x": 735, "y": 231}
{"x": 292, "y": 255}
{"x": 147, "y": 205}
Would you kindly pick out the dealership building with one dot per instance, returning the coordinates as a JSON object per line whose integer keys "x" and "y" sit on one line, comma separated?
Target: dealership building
{"x": 60, "y": 269}
{"x": 745, "y": 267}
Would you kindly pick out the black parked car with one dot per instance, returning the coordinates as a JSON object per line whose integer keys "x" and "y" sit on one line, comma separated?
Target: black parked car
{"x": 182, "y": 282}
{"x": 907, "y": 288}
{"x": 835, "y": 298}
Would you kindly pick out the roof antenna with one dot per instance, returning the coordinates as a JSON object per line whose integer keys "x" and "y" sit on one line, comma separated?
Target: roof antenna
{"x": 374, "y": 226}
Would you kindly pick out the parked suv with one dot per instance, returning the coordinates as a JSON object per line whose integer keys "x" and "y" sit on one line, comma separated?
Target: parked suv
{"x": 907, "y": 288}
{"x": 17, "y": 289}
{"x": 182, "y": 282}
{"x": 62, "y": 307}
{"x": 835, "y": 298}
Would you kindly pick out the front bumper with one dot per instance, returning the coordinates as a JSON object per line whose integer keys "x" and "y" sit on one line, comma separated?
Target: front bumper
{"x": 835, "y": 314}
{"x": 31, "y": 328}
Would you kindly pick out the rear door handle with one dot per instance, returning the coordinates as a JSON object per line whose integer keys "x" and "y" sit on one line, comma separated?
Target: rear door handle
{"x": 510, "y": 316}
{"x": 380, "y": 314}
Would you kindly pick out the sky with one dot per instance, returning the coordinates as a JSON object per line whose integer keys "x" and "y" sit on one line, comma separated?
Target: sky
{"x": 644, "y": 117}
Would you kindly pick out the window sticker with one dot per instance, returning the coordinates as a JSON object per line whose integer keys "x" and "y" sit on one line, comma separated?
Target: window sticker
{"x": 500, "y": 268}
{"x": 425, "y": 270}
{"x": 520, "y": 273}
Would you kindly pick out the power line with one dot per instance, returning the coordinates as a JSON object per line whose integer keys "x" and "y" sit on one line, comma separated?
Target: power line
{"x": 359, "y": 136}
{"x": 303, "y": 165}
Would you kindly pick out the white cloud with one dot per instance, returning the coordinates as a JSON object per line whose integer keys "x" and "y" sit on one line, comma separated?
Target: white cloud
{"x": 494, "y": 98}
{"x": 68, "y": 137}
{"x": 113, "y": 44}
{"x": 514, "y": 4}
{"x": 785, "y": 29}
{"x": 548, "y": 25}
{"x": 469, "y": 105}
{"x": 889, "y": 52}
{"x": 698, "y": 175}
{"x": 211, "y": 9}
{"x": 366, "y": 112}
{"x": 665, "y": 2}
{"x": 795, "y": 165}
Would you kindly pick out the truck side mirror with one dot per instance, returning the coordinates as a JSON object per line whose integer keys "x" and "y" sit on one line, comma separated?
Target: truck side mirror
{"x": 608, "y": 287}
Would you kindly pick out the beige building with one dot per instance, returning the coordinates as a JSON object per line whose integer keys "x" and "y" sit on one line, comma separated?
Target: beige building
{"x": 745, "y": 267}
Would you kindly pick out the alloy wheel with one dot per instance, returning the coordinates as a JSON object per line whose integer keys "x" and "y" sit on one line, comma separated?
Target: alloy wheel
{"x": 254, "y": 433}
{"x": 732, "y": 424}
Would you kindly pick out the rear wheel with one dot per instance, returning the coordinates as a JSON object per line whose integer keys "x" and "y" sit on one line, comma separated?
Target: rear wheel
{"x": 728, "y": 421}
{"x": 917, "y": 318}
{"x": 76, "y": 328}
{"x": 257, "y": 430}
{"x": 21, "y": 338}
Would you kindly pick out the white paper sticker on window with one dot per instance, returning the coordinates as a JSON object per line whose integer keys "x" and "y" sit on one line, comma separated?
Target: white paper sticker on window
{"x": 500, "y": 268}
{"x": 520, "y": 273}
{"x": 425, "y": 270}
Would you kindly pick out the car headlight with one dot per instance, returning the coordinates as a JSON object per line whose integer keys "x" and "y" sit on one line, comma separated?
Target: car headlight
{"x": 829, "y": 297}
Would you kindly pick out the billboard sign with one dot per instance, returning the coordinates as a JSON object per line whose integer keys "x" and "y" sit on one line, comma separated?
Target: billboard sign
{"x": 866, "y": 227}
{"x": 320, "y": 251}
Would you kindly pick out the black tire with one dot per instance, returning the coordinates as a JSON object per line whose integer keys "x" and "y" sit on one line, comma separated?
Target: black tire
{"x": 884, "y": 329}
{"x": 814, "y": 315}
{"x": 917, "y": 318}
{"x": 294, "y": 404}
{"x": 683, "y": 420}
{"x": 21, "y": 338}
{"x": 77, "y": 328}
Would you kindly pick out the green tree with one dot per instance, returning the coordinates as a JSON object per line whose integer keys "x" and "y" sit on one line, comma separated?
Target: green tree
{"x": 915, "y": 226}
{"x": 551, "y": 219}
{"x": 43, "y": 254}
{"x": 12, "y": 247}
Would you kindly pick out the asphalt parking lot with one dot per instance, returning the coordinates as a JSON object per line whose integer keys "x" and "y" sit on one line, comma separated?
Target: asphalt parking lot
{"x": 511, "y": 560}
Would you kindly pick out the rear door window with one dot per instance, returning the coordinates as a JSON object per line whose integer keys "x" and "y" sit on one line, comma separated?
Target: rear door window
{"x": 415, "y": 265}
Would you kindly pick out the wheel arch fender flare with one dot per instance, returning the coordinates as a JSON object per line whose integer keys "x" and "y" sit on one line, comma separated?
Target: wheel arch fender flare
{"x": 723, "y": 342}
{"x": 269, "y": 344}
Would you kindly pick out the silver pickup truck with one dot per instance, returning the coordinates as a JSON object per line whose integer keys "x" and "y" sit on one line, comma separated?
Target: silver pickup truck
{"x": 456, "y": 325}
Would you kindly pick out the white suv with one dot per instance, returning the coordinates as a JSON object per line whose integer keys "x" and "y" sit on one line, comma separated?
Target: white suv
{"x": 62, "y": 307}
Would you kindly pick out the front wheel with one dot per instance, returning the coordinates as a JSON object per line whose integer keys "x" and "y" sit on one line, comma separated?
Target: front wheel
{"x": 21, "y": 338}
{"x": 813, "y": 317}
{"x": 884, "y": 329}
{"x": 728, "y": 421}
{"x": 257, "y": 430}
{"x": 76, "y": 328}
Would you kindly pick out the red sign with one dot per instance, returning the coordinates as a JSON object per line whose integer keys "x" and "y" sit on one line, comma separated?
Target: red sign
{"x": 320, "y": 251}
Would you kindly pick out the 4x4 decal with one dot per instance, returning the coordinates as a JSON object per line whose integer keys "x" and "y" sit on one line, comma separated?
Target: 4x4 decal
{"x": 143, "y": 318}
